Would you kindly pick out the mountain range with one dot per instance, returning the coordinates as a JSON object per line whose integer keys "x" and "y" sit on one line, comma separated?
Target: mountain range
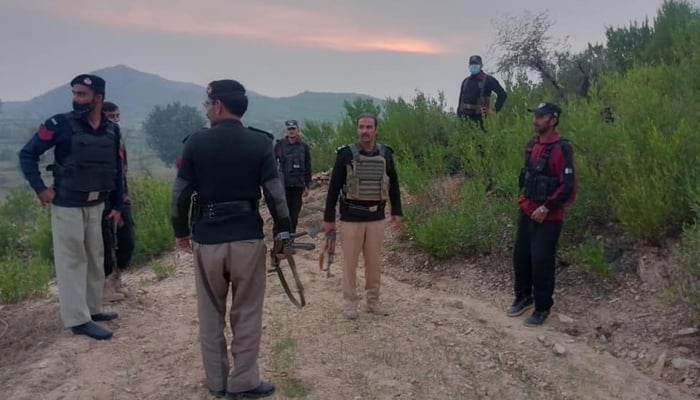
{"x": 137, "y": 92}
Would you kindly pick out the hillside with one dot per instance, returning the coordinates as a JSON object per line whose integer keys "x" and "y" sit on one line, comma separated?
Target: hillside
{"x": 138, "y": 92}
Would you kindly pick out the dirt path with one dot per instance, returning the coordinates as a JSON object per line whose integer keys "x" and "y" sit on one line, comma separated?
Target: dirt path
{"x": 435, "y": 345}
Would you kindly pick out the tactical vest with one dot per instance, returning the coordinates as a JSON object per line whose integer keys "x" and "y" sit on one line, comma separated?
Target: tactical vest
{"x": 91, "y": 165}
{"x": 292, "y": 163}
{"x": 482, "y": 101}
{"x": 535, "y": 182}
{"x": 366, "y": 176}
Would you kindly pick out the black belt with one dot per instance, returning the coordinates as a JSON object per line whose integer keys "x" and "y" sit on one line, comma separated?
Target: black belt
{"x": 74, "y": 195}
{"x": 229, "y": 208}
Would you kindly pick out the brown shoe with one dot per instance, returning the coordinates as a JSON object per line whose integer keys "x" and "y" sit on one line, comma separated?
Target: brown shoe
{"x": 109, "y": 294}
{"x": 350, "y": 314}
{"x": 377, "y": 310}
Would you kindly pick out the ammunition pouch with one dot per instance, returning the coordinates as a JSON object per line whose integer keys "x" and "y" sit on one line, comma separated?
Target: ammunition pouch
{"x": 361, "y": 211}
{"x": 538, "y": 188}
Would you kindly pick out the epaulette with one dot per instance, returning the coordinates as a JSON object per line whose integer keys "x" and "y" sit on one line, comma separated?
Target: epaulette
{"x": 54, "y": 121}
{"x": 345, "y": 146}
{"x": 266, "y": 133}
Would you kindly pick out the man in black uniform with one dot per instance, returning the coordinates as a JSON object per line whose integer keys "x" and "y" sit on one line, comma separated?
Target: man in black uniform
{"x": 365, "y": 178}
{"x": 119, "y": 245}
{"x": 294, "y": 160}
{"x": 226, "y": 166}
{"x": 86, "y": 171}
{"x": 475, "y": 93}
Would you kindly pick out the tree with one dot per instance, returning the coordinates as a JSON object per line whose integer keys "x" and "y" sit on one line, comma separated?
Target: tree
{"x": 625, "y": 46}
{"x": 526, "y": 45}
{"x": 166, "y": 127}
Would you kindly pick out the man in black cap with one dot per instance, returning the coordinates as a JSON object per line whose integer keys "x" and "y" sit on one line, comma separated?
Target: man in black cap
{"x": 86, "y": 170}
{"x": 547, "y": 186}
{"x": 226, "y": 166}
{"x": 294, "y": 162}
{"x": 475, "y": 93}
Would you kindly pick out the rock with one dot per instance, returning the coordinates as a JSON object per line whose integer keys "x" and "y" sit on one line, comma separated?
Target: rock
{"x": 633, "y": 355}
{"x": 458, "y": 304}
{"x": 559, "y": 349}
{"x": 564, "y": 319}
{"x": 659, "y": 366}
{"x": 542, "y": 338}
{"x": 687, "y": 332}
{"x": 684, "y": 363}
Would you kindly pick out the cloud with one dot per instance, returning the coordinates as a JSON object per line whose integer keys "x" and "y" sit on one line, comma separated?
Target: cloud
{"x": 276, "y": 24}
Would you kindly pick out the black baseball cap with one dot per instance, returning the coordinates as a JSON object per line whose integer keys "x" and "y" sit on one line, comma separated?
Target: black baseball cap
{"x": 292, "y": 123}
{"x": 546, "y": 108}
{"x": 475, "y": 60}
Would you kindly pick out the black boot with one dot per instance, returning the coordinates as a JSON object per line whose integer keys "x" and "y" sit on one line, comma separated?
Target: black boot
{"x": 104, "y": 316}
{"x": 537, "y": 318}
{"x": 263, "y": 390}
{"x": 520, "y": 306}
{"x": 92, "y": 330}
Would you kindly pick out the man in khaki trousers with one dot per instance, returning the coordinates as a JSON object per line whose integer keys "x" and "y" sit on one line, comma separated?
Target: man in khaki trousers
{"x": 364, "y": 178}
{"x": 226, "y": 166}
{"x": 87, "y": 169}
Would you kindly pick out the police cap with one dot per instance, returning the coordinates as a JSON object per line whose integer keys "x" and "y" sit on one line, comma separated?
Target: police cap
{"x": 94, "y": 82}
{"x": 546, "y": 108}
{"x": 475, "y": 60}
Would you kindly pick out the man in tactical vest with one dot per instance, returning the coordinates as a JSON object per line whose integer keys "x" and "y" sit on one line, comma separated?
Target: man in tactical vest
{"x": 548, "y": 185}
{"x": 475, "y": 93}
{"x": 86, "y": 171}
{"x": 294, "y": 160}
{"x": 225, "y": 167}
{"x": 365, "y": 178}
{"x": 118, "y": 240}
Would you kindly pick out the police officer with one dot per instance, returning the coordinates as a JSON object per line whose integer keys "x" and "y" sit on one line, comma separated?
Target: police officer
{"x": 86, "y": 171}
{"x": 119, "y": 245}
{"x": 475, "y": 93}
{"x": 294, "y": 160}
{"x": 225, "y": 166}
{"x": 548, "y": 186}
{"x": 365, "y": 178}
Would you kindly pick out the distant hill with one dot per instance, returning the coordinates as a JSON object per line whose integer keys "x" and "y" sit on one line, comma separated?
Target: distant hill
{"x": 137, "y": 92}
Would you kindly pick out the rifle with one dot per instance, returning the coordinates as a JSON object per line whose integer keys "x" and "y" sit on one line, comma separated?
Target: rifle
{"x": 277, "y": 253}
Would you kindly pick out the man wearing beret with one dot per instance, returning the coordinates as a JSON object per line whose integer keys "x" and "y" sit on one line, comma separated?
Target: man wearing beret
{"x": 294, "y": 160}
{"x": 547, "y": 186}
{"x": 86, "y": 171}
{"x": 226, "y": 166}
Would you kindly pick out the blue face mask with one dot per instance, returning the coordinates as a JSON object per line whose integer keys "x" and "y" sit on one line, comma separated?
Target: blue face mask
{"x": 474, "y": 69}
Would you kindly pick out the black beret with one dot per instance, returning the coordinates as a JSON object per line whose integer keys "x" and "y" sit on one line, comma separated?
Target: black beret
{"x": 94, "y": 82}
{"x": 225, "y": 88}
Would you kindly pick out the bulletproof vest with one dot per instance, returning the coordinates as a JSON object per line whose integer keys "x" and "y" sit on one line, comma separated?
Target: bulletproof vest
{"x": 292, "y": 159}
{"x": 482, "y": 101}
{"x": 366, "y": 176}
{"x": 91, "y": 165}
{"x": 535, "y": 182}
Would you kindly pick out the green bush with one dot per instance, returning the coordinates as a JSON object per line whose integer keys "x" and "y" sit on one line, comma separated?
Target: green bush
{"x": 23, "y": 278}
{"x": 150, "y": 200}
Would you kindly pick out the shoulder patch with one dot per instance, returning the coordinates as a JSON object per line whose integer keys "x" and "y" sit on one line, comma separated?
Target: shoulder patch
{"x": 45, "y": 133}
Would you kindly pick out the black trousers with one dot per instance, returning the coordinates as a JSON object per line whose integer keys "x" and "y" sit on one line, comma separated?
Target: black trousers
{"x": 294, "y": 202}
{"x": 125, "y": 242}
{"x": 534, "y": 260}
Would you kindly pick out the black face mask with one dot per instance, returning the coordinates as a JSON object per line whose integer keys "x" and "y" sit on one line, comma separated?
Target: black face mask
{"x": 82, "y": 108}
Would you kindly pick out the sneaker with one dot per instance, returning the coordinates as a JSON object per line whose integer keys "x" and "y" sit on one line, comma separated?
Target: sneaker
{"x": 537, "y": 318}
{"x": 263, "y": 390}
{"x": 350, "y": 314}
{"x": 519, "y": 306}
{"x": 377, "y": 310}
{"x": 92, "y": 330}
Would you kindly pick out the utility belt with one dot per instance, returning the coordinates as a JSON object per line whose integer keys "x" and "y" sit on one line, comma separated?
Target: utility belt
{"x": 474, "y": 107}
{"x": 361, "y": 211}
{"x": 74, "y": 195}
{"x": 211, "y": 210}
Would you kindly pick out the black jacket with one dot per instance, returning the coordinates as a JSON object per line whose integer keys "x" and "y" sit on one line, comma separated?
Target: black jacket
{"x": 224, "y": 164}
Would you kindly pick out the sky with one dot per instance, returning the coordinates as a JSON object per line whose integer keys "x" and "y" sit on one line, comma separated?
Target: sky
{"x": 279, "y": 48}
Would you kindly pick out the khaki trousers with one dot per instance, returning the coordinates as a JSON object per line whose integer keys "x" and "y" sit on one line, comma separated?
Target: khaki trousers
{"x": 239, "y": 266}
{"x": 366, "y": 238}
{"x": 78, "y": 255}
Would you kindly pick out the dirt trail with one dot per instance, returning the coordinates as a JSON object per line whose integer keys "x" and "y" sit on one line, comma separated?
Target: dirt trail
{"x": 434, "y": 345}
{"x": 440, "y": 342}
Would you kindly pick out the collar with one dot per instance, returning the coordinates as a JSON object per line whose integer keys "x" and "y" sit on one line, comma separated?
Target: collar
{"x": 551, "y": 137}
{"x": 228, "y": 122}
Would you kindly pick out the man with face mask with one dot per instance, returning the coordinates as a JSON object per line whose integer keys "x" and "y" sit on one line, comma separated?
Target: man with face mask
{"x": 119, "y": 240}
{"x": 475, "y": 93}
{"x": 547, "y": 186}
{"x": 294, "y": 160}
{"x": 226, "y": 166}
{"x": 86, "y": 171}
